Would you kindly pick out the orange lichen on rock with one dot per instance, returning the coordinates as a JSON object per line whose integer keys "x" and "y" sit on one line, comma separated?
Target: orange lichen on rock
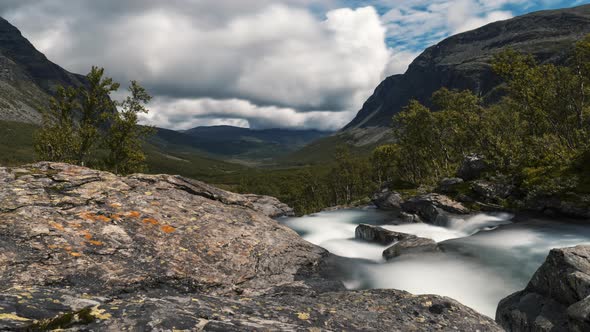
{"x": 117, "y": 216}
{"x": 94, "y": 217}
{"x": 52, "y": 246}
{"x": 76, "y": 254}
{"x": 151, "y": 221}
{"x": 57, "y": 226}
{"x": 168, "y": 229}
{"x": 100, "y": 217}
{"x": 87, "y": 235}
{"x": 96, "y": 243}
{"x": 134, "y": 214}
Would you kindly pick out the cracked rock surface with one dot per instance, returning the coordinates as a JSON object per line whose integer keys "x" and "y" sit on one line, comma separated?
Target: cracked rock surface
{"x": 85, "y": 250}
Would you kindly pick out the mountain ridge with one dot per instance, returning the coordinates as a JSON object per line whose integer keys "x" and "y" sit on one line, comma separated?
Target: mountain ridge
{"x": 27, "y": 77}
{"x": 462, "y": 61}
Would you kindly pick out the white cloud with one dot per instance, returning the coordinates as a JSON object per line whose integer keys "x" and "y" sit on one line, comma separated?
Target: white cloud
{"x": 185, "y": 113}
{"x": 267, "y": 53}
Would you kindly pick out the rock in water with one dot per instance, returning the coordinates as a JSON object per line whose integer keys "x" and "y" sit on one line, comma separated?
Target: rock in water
{"x": 85, "y": 250}
{"x": 377, "y": 234}
{"x": 402, "y": 243}
{"x": 410, "y": 245}
{"x": 556, "y": 298}
{"x": 388, "y": 200}
{"x": 433, "y": 208}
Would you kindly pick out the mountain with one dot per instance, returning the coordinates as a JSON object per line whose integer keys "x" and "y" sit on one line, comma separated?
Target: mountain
{"x": 241, "y": 144}
{"x": 458, "y": 62}
{"x": 463, "y": 61}
{"x": 27, "y": 77}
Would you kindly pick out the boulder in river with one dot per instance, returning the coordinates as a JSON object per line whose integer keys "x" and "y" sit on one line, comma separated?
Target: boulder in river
{"x": 433, "y": 208}
{"x": 388, "y": 200}
{"x": 556, "y": 299}
{"x": 410, "y": 245}
{"x": 376, "y": 234}
{"x": 86, "y": 250}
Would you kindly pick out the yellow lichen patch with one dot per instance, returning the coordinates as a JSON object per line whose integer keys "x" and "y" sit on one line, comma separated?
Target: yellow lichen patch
{"x": 148, "y": 193}
{"x": 76, "y": 225}
{"x": 13, "y": 317}
{"x": 303, "y": 315}
{"x": 155, "y": 204}
{"x": 96, "y": 243}
{"x": 57, "y": 226}
{"x": 168, "y": 229}
{"x": 134, "y": 214}
{"x": 76, "y": 254}
{"x": 150, "y": 221}
{"x": 99, "y": 313}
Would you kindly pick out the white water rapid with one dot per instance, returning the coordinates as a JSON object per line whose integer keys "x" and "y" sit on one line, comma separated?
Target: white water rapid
{"x": 486, "y": 256}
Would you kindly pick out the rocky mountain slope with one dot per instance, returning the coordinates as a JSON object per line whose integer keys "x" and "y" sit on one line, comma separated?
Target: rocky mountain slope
{"x": 462, "y": 61}
{"x": 27, "y": 77}
{"x": 86, "y": 250}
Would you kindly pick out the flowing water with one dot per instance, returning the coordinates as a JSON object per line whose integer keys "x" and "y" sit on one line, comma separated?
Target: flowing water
{"x": 486, "y": 256}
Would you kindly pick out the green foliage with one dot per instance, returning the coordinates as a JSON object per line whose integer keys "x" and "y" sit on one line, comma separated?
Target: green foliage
{"x": 124, "y": 137}
{"x": 95, "y": 107}
{"x": 58, "y": 140}
{"x": 75, "y": 126}
{"x": 539, "y": 134}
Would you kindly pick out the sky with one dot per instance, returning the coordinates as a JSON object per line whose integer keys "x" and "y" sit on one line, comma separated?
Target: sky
{"x": 296, "y": 64}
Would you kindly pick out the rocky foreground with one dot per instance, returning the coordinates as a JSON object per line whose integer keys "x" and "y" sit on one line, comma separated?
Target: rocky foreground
{"x": 86, "y": 250}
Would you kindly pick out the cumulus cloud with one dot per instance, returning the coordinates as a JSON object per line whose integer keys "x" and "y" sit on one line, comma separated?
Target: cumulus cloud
{"x": 258, "y": 63}
{"x": 275, "y": 55}
{"x": 185, "y": 113}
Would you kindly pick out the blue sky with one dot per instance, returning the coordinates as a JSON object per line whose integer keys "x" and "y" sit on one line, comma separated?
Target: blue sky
{"x": 479, "y": 9}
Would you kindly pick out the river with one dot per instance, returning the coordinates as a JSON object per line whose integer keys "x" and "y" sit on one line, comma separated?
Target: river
{"x": 486, "y": 256}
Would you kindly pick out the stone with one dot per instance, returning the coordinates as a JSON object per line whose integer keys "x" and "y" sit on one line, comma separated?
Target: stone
{"x": 410, "y": 245}
{"x": 491, "y": 191}
{"x": 472, "y": 167}
{"x": 376, "y": 234}
{"x": 449, "y": 185}
{"x": 388, "y": 200}
{"x": 434, "y": 208}
{"x": 556, "y": 298}
{"x": 85, "y": 250}
{"x": 409, "y": 218}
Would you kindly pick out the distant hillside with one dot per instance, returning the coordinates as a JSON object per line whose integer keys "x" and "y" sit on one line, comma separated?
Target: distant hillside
{"x": 245, "y": 144}
{"x": 27, "y": 77}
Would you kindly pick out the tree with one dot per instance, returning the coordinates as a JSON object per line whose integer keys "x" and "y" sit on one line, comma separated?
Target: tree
{"x": 81, "y": 121}
{"x": 58, "y": 139}
{"x": 95, "y": 107}
{"x": 124, "y": 137}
